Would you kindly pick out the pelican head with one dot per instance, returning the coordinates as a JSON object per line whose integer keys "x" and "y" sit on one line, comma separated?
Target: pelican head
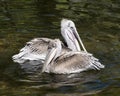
{"x": 71, "y": 36}
{"x": 54, "y": 51}
{"x": 65, "y": 23}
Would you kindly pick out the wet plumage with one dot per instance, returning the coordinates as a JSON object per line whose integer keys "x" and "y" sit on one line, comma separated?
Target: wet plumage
{"x": 69, "y": 62}
{"x": 36, "y": 49}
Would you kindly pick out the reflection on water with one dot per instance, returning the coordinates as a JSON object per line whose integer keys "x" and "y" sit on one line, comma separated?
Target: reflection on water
{"x": 98, "y": 23}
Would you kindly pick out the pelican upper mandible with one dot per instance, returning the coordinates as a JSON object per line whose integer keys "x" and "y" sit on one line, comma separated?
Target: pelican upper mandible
{"x": 36, "y": 49}
{"x": 70, "y": 62}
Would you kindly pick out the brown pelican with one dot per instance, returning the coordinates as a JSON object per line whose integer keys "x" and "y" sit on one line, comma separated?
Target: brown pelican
{"x": 70, "y": 62}
{"x": 36, "y": 49}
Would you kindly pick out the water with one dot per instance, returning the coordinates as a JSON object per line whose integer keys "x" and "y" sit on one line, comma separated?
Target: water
{"x": 98, "y": 23}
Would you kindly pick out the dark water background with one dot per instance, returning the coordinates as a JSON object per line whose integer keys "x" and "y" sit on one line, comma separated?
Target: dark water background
{"x": 98, "y": 23}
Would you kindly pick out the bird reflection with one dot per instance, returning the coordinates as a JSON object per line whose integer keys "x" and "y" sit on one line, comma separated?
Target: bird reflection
{"x": 32, "y": 69}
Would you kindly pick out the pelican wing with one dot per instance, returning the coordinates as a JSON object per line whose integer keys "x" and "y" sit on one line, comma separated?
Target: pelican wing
{"x": 34, "y": 50}
{"x": 74, "y": 62}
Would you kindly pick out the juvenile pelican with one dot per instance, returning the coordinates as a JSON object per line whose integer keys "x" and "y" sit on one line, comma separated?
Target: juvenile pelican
{"x": 36, "y": 49}
{"x": 70, "y": 62}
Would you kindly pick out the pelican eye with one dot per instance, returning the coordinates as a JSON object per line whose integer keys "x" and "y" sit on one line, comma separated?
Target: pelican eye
{"x": 71, "y": 27}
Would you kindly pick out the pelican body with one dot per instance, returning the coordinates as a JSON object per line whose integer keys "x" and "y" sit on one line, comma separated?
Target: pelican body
{"x": 69, "y": 62}
{"x": 36, "y": 49}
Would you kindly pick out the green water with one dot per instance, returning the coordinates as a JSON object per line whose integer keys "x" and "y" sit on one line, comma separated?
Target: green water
{"x": 98, "y": 23}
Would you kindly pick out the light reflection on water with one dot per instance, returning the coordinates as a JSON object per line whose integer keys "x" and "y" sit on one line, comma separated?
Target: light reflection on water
{"x": 98, "y": 25}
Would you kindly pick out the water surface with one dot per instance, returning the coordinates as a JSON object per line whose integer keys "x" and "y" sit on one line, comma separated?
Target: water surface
{"x": 98, "y": 24}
